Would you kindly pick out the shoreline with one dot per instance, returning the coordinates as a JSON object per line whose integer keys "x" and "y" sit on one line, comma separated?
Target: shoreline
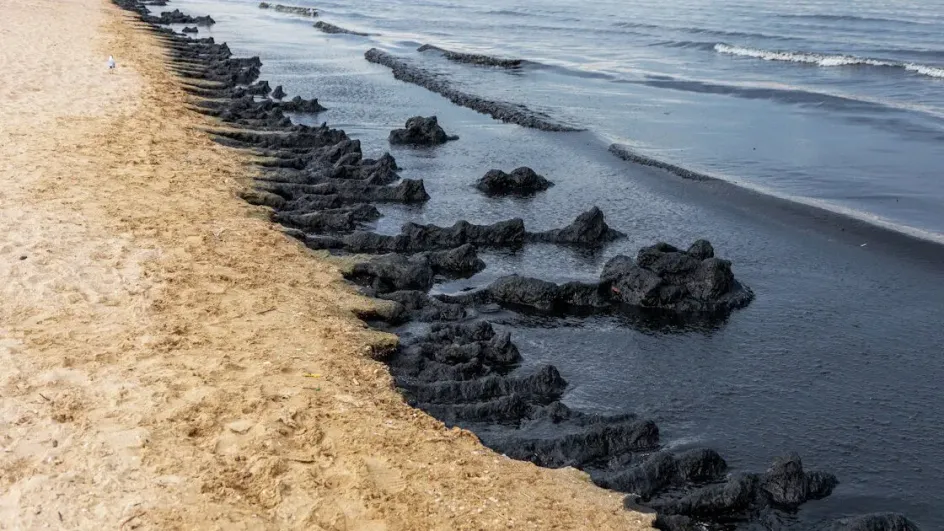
{"x": 207, "y": 371}
{"x": 294, "y": 184}
{"x": 403, "y": 69}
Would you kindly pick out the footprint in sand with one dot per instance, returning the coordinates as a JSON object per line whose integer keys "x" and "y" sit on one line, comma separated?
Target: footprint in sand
{"x": 383, "y": 476}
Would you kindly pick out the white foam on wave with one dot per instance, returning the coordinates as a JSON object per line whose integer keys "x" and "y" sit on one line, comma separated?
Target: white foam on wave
{"x": 825, "y": 60}
{"x": 800, "y": 57}
{"x": 926, "y": 70}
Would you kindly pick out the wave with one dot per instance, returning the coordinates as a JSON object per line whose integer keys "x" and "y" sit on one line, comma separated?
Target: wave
{"x": 876, "y": 112}
{"x": 934, "y": 55}
{"x": 853, "y": 18}
{"x": 784, "y": 94}
{"x": 626, "y": 153}
{"x": 800, "y": 57}
{"x": 704, "y": 31}
{"x": 930, "y": 241}
{"x": 932, "y": 71}
{"x": 638, "y": 25}
{"x": 510, "y": 12}
{"x": 827, "y": 60}
{"x": 687, "y": 45}
{"x": 570, "y": 71}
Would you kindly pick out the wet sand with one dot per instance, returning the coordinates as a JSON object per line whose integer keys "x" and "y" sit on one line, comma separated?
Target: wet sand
{"x": 170, "y": 360}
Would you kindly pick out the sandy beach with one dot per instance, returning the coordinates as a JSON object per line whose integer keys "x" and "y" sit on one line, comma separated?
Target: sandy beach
{"x": 170, "y": 359}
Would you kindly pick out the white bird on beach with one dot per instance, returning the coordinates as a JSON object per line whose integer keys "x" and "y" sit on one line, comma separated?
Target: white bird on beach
{"x": 111, "y": 63}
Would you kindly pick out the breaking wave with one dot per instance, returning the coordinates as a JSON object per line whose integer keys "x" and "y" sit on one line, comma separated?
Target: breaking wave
{"x": 828, "y": 60}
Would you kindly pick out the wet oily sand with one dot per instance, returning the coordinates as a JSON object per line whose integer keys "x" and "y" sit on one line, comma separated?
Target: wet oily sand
{"x": 171, "y": 361}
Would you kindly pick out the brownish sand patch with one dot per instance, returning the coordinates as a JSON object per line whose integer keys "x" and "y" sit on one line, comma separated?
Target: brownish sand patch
{"x": 170, "y": 360}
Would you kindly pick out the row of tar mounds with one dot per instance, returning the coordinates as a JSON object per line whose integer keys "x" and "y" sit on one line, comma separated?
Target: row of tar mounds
{"x": 318, "y": 184}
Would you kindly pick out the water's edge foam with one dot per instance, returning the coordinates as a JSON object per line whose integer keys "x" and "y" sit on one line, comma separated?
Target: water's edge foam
{"x": 826, "y": 60}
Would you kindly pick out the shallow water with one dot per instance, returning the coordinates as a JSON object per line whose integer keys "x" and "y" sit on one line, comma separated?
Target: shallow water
{"x": 838, "y": 358}
{"x": 821, "y": 100}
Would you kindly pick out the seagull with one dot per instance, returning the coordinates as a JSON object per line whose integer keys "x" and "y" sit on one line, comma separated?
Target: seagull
{"x": 111, "y": 63}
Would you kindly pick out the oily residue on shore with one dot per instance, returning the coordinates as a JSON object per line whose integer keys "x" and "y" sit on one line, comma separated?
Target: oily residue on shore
{"x": 337, "y": 30}
{"x": 472, "y": 58}
{"x": 461, "y": 369}
{"x": 293, "y": 10}
{"x": 626, "y": 153}
{"x": 164, "y": 343}
{"x": 504, "y": 111}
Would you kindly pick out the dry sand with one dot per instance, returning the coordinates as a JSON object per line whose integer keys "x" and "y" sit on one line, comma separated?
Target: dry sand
{"x": 170, "y": 360}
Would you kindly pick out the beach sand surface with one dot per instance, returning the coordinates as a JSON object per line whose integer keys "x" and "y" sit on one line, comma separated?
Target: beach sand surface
{"x": 170, "y": 360}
